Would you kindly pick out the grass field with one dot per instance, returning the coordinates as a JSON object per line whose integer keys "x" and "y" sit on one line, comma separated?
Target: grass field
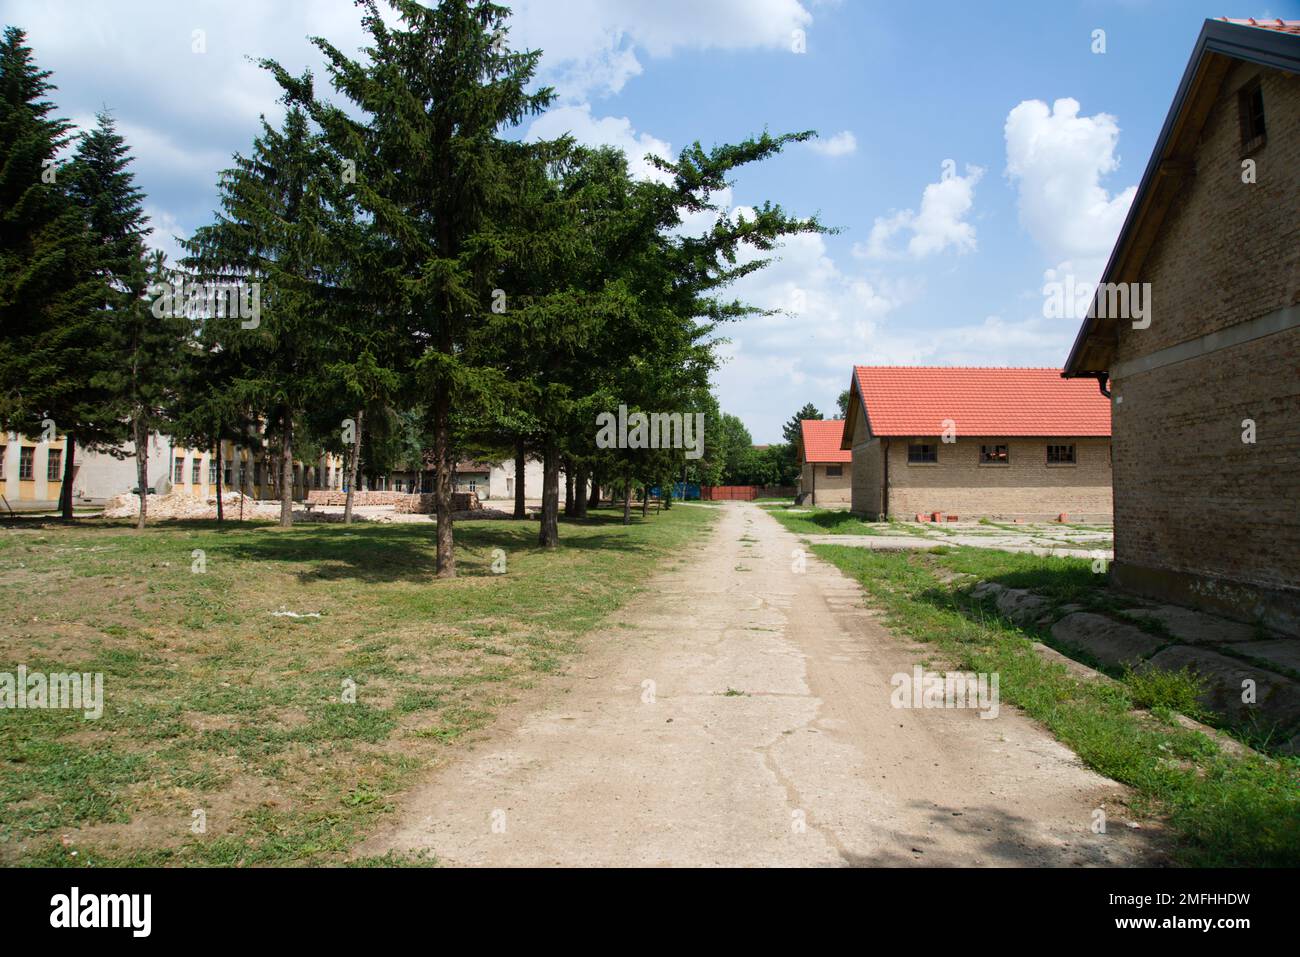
{"x": 1224, "y": 810}
{"x": 214, "y": 703}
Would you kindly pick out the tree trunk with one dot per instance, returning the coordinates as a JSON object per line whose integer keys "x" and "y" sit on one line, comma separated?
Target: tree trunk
{"x": 221, "y": 509}
{"x": 352, "y": 468}
{"x": 645, "y": 500}
{"x": 521, "y": 465}
{"x": 549, "y": 536}
{"x": 580, "y": 493}
{"x": 627, "y": 500}
{"x": 568, "y": 489}
{"x": 446, "y": 562}
{"x": 65, "y": 493}
{"x": 286, "y": 471}
{"x": 141, "y": 468}
{"x": 594, "y": 501}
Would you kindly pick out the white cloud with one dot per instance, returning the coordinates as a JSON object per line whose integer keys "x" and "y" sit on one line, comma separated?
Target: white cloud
{"x": 939, "y": 225}
{"x": 841, "y": 144}
{"x": 1057, "y": 159}
{"x": 594, "y": 48}
{"x": 163, "y": 230}
{"x": 603, "y": 131}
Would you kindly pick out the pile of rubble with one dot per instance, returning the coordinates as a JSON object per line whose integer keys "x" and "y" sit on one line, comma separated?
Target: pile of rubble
{"x": 181, "y": 505}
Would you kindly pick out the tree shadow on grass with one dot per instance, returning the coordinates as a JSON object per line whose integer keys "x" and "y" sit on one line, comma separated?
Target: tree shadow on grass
{"x": 390, "y": 553}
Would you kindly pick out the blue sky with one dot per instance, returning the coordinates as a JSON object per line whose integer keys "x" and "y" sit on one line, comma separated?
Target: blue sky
{"x": 934, "y": 266}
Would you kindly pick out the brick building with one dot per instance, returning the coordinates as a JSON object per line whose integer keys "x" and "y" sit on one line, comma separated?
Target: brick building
{"x": 1206, "y": 390}
{"x": 826, "y": 470}
{"x": 976, "y": 443}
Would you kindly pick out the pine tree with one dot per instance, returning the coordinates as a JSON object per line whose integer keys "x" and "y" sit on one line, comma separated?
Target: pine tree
{"x": 141, "y": 348}
{"x": 428, "y": 162}
{"x": 49, "y": 289}
{"x": 270, "y": 244}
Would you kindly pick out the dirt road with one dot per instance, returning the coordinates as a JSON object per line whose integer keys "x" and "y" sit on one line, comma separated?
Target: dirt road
{"x": 739, "y": 714}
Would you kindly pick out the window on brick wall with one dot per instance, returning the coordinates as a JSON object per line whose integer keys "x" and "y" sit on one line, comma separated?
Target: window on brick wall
{"x": 834, "y": 471}
{"x": 922, "y": 452}
{"x": 1250, "y": 113}
{"x": 1060, "y": 455}
{"x": 994, "y": 455}
{"x": 54, "y": 465}
{"x": 26, "y": 458}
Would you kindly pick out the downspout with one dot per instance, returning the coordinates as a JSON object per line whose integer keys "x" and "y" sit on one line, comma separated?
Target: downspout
{"x": 814, "y": 490}
{"x": 884, "y": 488}
{"x": 1102, "y": 378}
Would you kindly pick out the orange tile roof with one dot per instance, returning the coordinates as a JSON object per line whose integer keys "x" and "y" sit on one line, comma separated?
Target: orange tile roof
{"x": 821, "y": 441}
{"x": 1282, "y": 26}
{"x": 916, "y": 401}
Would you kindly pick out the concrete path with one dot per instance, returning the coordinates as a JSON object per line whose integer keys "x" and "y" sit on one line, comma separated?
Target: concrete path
{"x": 739, "y": 713}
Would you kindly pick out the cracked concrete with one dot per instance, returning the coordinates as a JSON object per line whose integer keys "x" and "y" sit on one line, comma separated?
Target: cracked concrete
{"x": 743, "y": 718}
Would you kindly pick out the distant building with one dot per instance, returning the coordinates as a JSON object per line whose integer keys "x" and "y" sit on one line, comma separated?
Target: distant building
{"x": 1206, "y": 389}
{"x": 31, "y": 471}
{"x": 977, "y": 443}
{"x": 826, "y": 470}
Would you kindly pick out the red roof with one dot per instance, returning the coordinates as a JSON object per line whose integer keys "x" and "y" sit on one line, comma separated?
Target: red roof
{"x": 906, "y": 401}
{"x": 821, "y": 441}
{"x": 1282, "y": 26}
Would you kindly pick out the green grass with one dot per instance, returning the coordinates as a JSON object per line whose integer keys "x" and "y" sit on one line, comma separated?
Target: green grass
{"x": 211, "y": 702}
{"x": 1223, "y": 810}
{"x": 806, "y": 520}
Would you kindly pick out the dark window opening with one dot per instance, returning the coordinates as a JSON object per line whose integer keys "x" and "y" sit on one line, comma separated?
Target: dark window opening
{"x": 1250, "y": 106}
{"x": 834, "y": 471}
{"x": 1060, "y": 455}
{"x": 922, "y": 452}
{"x": 994, "y": 455}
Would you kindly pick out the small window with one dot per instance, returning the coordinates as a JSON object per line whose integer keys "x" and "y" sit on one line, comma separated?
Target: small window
{"x": 834, "y": 471}
{"x": 1250, "y": 108}
{"x": 4, "y": 457}
{"x": 243, "y": 476}
{"x": 195, "y": 471}
{"x": 1060, "y": 455}
{"x": 230, "y": 473}
{"x": 54, "y": 465}
{"x": 994, "y": 455}
{"x": 212, "y": 471}
{"x": 26, "y": 456}
{"x": 922, "y": 452}
{"x": 178, "y": 471}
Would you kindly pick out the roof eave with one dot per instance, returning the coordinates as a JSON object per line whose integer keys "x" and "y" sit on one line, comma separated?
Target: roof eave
{"x": 1094, "y": 345}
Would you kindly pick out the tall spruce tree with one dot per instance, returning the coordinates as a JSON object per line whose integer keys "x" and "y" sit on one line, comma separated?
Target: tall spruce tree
{"x": 50, "y": 292}
{"x": 424, "y": 144}
{"x": 141, "y": 349}
{"x": 270, "y": 241}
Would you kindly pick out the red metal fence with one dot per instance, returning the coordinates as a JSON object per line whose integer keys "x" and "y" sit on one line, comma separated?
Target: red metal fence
{"x": 729, "y": 493}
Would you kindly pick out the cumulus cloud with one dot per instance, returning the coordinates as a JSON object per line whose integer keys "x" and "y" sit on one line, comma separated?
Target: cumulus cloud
{"x": 939, "y": 225}
{"x": 576, "y": 120}
{"x": 843, "y": 143}
{"x": 1057, "y": 159}
{"x": 597, "y": 45}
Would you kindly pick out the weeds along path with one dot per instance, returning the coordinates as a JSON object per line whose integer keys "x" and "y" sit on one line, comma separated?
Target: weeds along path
{"x": 739, "y": 713}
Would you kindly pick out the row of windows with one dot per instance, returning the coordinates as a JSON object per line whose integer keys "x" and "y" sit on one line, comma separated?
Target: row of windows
{"x": 921, "y": 453}
{"x": 27, "y": 463}
{"x": 316, "y": 477}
